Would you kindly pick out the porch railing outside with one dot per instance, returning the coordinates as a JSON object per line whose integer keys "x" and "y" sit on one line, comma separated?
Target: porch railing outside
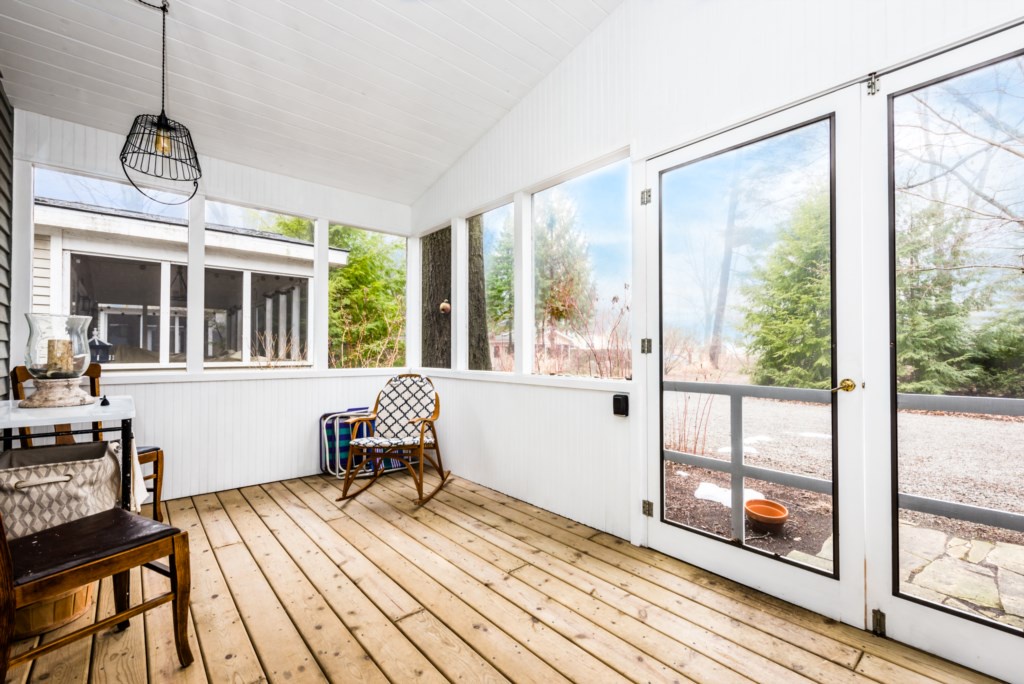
{"x": 739, "y": 470}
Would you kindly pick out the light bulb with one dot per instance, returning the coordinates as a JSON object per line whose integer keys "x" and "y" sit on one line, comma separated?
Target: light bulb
{"x": 162, "y": 142}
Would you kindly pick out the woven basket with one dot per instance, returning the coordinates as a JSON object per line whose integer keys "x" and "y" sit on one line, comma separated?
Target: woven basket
{"x": 44, "y": 616}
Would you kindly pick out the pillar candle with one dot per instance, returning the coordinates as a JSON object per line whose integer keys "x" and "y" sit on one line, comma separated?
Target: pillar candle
{"x": 58, "y": 356}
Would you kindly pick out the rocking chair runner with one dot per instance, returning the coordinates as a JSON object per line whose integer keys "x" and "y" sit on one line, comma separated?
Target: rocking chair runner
{"x": 400, "y": 427}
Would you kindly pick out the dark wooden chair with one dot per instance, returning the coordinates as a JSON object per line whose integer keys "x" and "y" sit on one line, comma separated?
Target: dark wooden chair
{"x": 401, "y": 427}
{"x": 148, "y": 455}
{"x": 43, "y": 565}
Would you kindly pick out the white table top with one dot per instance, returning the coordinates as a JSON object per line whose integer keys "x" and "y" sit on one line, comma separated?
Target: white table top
{"x": 121, "y": 408}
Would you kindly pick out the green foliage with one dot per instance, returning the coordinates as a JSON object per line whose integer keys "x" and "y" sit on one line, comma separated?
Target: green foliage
{"x": 499, "y": 266}
{"x": 290, "y": 226}
{"x": 367, "y": 300}
{"x": 934, "y": 301}
{"x": 788, "y": 316}
{"x": 999, "y": 354}
{"x": 562, "y": 278}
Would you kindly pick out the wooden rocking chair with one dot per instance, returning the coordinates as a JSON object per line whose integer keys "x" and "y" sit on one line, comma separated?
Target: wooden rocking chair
{"x": 401, "y": 427}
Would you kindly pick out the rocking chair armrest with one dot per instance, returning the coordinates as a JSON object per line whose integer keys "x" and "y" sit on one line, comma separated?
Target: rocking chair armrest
{"x": 361, "y": 419}
{"x": 424, "y": 419}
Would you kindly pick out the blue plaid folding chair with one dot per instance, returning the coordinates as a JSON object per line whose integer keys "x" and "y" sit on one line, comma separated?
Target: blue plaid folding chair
{"x": 400, "y": 428}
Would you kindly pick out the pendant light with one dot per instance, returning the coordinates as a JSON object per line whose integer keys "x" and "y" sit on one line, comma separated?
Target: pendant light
{"x": 157, "y": 146}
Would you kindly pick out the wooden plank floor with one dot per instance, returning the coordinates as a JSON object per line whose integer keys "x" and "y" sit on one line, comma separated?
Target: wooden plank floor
{"x": 290, "y": 586}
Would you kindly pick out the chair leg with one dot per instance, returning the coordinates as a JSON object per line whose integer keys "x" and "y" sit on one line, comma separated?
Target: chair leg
{"x": 419, "y": 473}
{"x": 435, "y": 461}
{"x": 181, "y": 584}
{"x": 158, "y": 484}
{"x": 350, "y": 475}
{"x": 122, "y": 596}
{"x": 6, "y": 607}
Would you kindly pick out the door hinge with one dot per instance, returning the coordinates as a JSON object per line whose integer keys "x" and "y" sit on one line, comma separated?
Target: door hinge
{"x": 645, "y": 345}
{"x": 872, "y": 84}
{"x": 878, "y": 622}
{"x": 645, "y": 197}
{"x": 647, "y": 507}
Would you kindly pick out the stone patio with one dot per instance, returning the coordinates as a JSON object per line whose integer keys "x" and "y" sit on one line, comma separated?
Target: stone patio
{"x": 974, "y": 576}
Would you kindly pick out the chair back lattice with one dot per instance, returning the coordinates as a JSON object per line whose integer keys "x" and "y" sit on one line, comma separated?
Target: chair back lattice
{"x": 401, "y": 400}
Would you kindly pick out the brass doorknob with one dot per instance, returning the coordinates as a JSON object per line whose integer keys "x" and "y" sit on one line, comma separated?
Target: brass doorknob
{"x": 846, "y": 385}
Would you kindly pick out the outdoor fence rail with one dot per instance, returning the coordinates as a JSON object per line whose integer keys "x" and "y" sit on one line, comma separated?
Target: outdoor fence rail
{"x": 738, "y": 470}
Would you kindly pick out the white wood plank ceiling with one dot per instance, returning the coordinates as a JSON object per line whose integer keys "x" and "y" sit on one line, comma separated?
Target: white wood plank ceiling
{"x": 373, "y": 96}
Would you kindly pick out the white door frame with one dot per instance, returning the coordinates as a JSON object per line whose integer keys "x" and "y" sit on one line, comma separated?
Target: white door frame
{"x": 863, "y": 303}
{"x": 842, "y": 599}
{"x": 975, "y": 645}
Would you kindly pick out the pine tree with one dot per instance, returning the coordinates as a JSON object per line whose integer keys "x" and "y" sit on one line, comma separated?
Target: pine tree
{"x": 367, "y": 300}
{"x": 935, "y": 297}
{"x": 788, "y": 317}
{"x": 564, "y": 287}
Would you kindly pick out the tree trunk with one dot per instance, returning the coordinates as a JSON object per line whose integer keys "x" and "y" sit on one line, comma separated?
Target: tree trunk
{"x": 479, "y": 345}
{"x": 729, "y": 238}
{"x": 436, "y": 287}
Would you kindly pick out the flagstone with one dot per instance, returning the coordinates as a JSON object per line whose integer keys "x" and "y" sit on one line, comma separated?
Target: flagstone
{"x": 922, "y": 542}
{"x": 979, "y": 550}
{"x": 957, "y": 547}
{"x": 911, "y": 589}
{"x": 1009, "y": 556}
{"x": 1011, "y": 620}
{"x": 808, "y": 559}
{"x": 910, "y": 564}
{"x": 826, "y": 549}
{"x": 960, "y": 580}
{"x": 1011, "y": 591}
{"x": 957, "y": 604}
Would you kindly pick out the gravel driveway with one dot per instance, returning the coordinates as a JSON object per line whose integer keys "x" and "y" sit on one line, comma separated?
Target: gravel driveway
{"x": 971, "y": 459}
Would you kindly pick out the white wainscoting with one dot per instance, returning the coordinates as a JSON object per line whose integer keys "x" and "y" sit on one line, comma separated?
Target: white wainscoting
{"x": 227, "y": 433}
{"x": 558, "y": 448}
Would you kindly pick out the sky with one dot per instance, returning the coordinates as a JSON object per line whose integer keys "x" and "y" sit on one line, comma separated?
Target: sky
{"x": 603, "y": 216}
{"x": 103, "y": 193}
{"x": 770, "y": 178}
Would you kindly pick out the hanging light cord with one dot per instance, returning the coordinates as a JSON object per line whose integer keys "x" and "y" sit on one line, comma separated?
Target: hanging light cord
{"x": 163, "y": 7}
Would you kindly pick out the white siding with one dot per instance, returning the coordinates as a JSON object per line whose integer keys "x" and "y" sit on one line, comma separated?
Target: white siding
{"x": 41, "y": 274}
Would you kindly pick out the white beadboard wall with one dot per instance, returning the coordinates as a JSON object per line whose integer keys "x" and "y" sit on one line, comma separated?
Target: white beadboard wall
{"x": 222, "y": 433}
{"x": 558, "y": 448}
{"x": 655, "y": 74}
{"x": 659, "y": 73}
{"x": 53, "y": 142}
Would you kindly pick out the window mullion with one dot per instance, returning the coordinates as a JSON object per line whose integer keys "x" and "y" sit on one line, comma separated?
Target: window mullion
{"x": 523, "y": 306}
{"x": 460, "y": 294}
{"x": 165, "y": 312}
{"x": 413, "y": 297}
{"x": 246, "y": 316}
{"x": 196, "y": 342}
{"x": 318, "y": 327}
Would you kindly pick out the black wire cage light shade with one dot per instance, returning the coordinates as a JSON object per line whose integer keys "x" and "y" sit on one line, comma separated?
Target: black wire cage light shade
{"x": 158, "y": 146}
